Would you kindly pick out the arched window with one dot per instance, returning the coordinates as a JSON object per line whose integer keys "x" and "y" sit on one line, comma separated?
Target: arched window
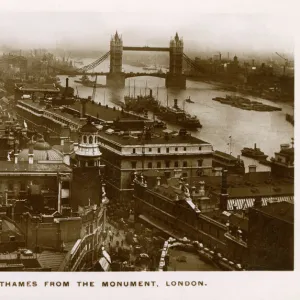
{"x": 90, "y": 139}
{"x": 84, "y": 139}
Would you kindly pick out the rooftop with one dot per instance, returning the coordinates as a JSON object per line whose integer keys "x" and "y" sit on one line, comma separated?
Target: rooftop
{"x": 51, "y": 259}
{"x": 225, "y": 155}
{"x": 41, "y": 155}
{"x": 37, "y": 87}
{"x": 282, "y": 210}
{"x": 103, "y": 112}
{"x": 10, "y": 166}
{"x": 157, "y": 137}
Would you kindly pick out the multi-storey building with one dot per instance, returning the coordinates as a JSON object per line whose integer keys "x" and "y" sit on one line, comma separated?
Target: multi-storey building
{"x": 247, "y": 235}
{"x": 173, "y": 153}
{"x": 283, "y": 162}
{"x": 271, "y": 237}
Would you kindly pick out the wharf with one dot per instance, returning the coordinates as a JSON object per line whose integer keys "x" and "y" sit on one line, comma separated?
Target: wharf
{"x": 105, "y": 113}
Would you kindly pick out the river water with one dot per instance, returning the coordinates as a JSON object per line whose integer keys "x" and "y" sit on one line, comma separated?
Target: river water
{"x": 267, "y": 129}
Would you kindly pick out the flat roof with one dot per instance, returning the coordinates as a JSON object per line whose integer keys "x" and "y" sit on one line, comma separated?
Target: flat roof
{"x": 282, "y": 210}
{"x": 158, "y": 137}
{"x": 105, "y": 113}
{"x": 37, "y": 87}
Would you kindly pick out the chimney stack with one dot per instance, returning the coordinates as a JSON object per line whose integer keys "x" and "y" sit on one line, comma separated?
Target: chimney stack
{"x": 30, "y": 154}
{"x": 67, "y": 85}
{"x": 16, "y": 157}
{"x": 158, "y": 180}
{"x": 202, "y": 191}
{"x": 75, "y": 146}
{"x": 82, "y": 112}
{"x": 175, "y": 103}
{"x": 252, "y": 168}
{"x": 224, "y": 193}
{"x": 30, "y": 158}
{"x": 217, "y": 171}
{"x": 258, "y": 201}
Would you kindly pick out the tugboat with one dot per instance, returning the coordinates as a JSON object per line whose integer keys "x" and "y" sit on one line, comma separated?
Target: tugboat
{"x": 178, "y": 116}
{"x": 255, "y": 153}
{"x": 85, "y": 81}
{"x": 189, "y": 100}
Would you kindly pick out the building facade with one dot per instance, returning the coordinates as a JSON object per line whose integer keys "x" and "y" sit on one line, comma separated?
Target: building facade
{"x": 271, "y": 237}
{"x": 174, "y": 155}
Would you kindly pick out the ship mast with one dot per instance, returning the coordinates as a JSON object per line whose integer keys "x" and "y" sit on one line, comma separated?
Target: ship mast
{"x": 129, "y": 88}
{"x": 229, "y": 144}
{"x": 134, "y": 89}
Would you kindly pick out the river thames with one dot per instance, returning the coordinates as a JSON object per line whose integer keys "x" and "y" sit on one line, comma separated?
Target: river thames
{"x": 267, "y": 129}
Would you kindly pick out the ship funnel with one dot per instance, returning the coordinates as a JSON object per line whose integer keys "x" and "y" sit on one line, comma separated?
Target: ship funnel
{"x": 255, "y": 146}
{"x": 175, "y": 103}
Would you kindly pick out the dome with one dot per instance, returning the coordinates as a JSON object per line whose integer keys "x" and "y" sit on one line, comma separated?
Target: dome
{"x": 41, "y": 145}
{"x": 88, "y": 127}
{"x": 41, "y": 155}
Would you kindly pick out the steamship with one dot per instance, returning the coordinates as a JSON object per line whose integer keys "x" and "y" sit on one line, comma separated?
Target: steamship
{"x": 178, "y": 116}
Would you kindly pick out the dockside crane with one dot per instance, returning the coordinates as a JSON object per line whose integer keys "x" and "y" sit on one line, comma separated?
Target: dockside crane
{"x": 286, "y": 62}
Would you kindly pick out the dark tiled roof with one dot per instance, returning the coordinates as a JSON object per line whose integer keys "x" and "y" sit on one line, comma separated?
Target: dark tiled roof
{"x": 223, "y": 154}
{"x": 88, "y": 128}
{"x": 9, "y": 166}
{"x": 282, "y": 210}
{"x": 51, "y": 259}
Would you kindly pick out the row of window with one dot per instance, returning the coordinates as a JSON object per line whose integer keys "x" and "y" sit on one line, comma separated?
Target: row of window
{"x": 167, "y": 149}
{"x": 150, "y": 165}
{"x": 91, "y": 139}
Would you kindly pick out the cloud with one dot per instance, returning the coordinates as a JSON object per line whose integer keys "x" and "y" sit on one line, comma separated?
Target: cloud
{"x": 91, "y": 30}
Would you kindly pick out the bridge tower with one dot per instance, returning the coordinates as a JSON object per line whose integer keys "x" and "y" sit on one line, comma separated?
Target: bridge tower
{"x": 116, "y": 77}
{"x": 175, "y": 78}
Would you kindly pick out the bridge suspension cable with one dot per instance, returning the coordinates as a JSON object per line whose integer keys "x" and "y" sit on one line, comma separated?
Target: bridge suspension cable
{"x": 85, "y": 68}
{"x": 191, "y": 63}
{"x": 94, "y": 64}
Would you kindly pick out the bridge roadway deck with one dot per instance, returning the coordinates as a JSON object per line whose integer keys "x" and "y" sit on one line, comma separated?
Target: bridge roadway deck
{"x": 145, "y": 48}
{"x": 127, "y": 75}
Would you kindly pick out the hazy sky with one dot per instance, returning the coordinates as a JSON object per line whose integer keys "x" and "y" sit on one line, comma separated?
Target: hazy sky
{"x": 239, "y": 32}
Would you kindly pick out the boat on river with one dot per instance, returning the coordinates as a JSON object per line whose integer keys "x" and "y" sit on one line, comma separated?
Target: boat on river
{"x": 178, "y": 116}
{"x": 85, "y": 81}
{"x": 188, "y": 100}
{"x": 254, "y": 153}
{"x": 245, "y": 104}
{"x": 141, "y": 103}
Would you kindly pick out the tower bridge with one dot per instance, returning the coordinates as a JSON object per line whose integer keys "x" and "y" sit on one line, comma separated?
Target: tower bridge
{"x": 116, "y": 77}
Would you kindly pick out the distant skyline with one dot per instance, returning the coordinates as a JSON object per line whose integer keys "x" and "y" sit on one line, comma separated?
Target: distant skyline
{"x": 201, "y": 32}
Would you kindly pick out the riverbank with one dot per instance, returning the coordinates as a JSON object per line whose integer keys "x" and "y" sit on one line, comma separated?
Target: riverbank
{"x": 245, "y": 90}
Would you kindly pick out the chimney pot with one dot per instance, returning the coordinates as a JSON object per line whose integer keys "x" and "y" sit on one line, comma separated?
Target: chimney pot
{"x": 16, "y": 157}
{"x": 158, "y": 180}
{"x": 30, "y": 158}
